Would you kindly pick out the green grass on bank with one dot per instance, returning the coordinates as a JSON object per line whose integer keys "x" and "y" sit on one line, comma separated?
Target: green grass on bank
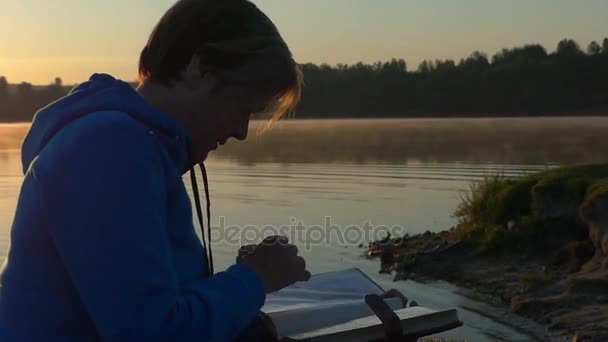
{"x": 533, "y": 214}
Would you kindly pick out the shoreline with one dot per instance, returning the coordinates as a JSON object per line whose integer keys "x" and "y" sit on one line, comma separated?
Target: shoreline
{"x": 508, "y": 283}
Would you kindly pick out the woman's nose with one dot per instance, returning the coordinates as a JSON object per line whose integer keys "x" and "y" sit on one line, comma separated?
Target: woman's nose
{"x": 240, "y": 136}
{"x": 241, "y": 133}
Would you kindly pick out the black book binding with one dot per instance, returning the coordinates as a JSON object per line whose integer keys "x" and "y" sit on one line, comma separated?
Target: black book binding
{"x": 389, "y": 319}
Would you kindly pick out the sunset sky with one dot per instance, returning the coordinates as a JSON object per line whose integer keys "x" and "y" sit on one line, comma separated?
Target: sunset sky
{"x": 42, "y": 39}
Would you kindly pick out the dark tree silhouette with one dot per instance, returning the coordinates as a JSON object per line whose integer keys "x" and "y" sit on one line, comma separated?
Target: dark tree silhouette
{"x": 54, "y": 91}
{"x": 25, "y": 90}
{"x": 5, "y": 99}
{"x": 594, "y": 48}
{"x": 521, "y": 81}
{"x": 425, "y": 66}
{"x": 3, "y": 87}
{"x": 568, "y": 47}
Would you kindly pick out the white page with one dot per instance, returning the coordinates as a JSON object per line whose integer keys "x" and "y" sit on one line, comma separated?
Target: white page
{"x": 326, "y": 299}
{"x": 299, "y": 321}
{"x": 413, "y": 321}
{"x": 340, "y": 287}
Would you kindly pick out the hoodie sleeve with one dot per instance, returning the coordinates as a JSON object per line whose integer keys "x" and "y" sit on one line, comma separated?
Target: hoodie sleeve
{"x": 105, "y": 209}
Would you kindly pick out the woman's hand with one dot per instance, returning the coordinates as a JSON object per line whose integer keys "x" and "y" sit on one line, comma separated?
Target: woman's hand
{"x": 276, "y": 261}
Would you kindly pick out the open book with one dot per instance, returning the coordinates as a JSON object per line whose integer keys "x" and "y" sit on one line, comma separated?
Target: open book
{"x": 331, "y": 307}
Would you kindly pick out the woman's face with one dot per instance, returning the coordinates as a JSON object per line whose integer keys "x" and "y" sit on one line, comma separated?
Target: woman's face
{"x": 224, "y": 113}
{"x": 214, "y": 111}
{"x": 233, "y": 107}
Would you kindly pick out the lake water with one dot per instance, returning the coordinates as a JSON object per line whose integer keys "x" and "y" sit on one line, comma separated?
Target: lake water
{"x": 359, "y": 179}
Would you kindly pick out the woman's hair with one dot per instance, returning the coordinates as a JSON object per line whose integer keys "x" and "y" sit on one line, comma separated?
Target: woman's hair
{"x": 234, "y": 40}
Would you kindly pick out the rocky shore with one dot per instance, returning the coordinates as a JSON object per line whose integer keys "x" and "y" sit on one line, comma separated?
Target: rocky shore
{"x": 545, "y": 255}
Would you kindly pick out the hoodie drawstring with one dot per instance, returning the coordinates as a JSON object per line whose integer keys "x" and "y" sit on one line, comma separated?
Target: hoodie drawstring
{"x": 199, "y": 212}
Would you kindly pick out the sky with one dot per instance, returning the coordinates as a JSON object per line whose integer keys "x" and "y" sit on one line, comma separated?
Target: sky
{"x": 71, "y": 39}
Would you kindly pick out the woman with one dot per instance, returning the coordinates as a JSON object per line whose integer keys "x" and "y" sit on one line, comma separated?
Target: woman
{"x": 102, "y": 245}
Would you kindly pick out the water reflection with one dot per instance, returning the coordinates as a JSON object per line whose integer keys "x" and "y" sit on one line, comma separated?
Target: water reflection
{"x": 389, "y": 172}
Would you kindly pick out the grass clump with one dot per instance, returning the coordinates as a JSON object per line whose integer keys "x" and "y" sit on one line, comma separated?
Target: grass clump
{"x": 597, "y": 190}
{"x": 596, "y": 194}
{"x": 494, "y": 202}
{"x": 536, "y": 213}
{"x": 487, "y": 212}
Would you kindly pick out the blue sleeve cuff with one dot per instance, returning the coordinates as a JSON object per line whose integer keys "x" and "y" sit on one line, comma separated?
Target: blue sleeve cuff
{"x": 251, "y": 280}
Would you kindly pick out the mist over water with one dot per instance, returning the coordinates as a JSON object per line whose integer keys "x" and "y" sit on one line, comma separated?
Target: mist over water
{"x": 513, "y": 141}
{"x": 407, "y": 173}
{"x": 521, "y": 141}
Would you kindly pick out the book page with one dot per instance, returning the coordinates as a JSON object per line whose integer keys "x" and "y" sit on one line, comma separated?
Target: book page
{"x": 415, "y": 321}
{"x": 333, "y": 288}
{"x": 326, "y": 299}
{"x": 299, "y": 321}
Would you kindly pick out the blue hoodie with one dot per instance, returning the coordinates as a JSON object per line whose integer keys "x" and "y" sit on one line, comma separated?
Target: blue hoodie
{"x": 102, "y": 245}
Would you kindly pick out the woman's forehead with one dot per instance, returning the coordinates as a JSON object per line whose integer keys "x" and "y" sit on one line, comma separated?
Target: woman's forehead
{"x": 254, "y": 96}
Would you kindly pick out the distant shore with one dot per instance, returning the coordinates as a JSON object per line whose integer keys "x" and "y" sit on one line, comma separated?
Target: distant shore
{"x": 525, "y": 80}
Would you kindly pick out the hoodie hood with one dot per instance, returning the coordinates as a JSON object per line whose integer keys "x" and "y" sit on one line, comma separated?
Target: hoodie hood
{"x": 103, "y": 92}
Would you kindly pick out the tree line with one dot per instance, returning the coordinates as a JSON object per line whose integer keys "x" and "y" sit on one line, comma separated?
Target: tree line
{"x": 522, "y": 81}
{"x": 22, "y": 104}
